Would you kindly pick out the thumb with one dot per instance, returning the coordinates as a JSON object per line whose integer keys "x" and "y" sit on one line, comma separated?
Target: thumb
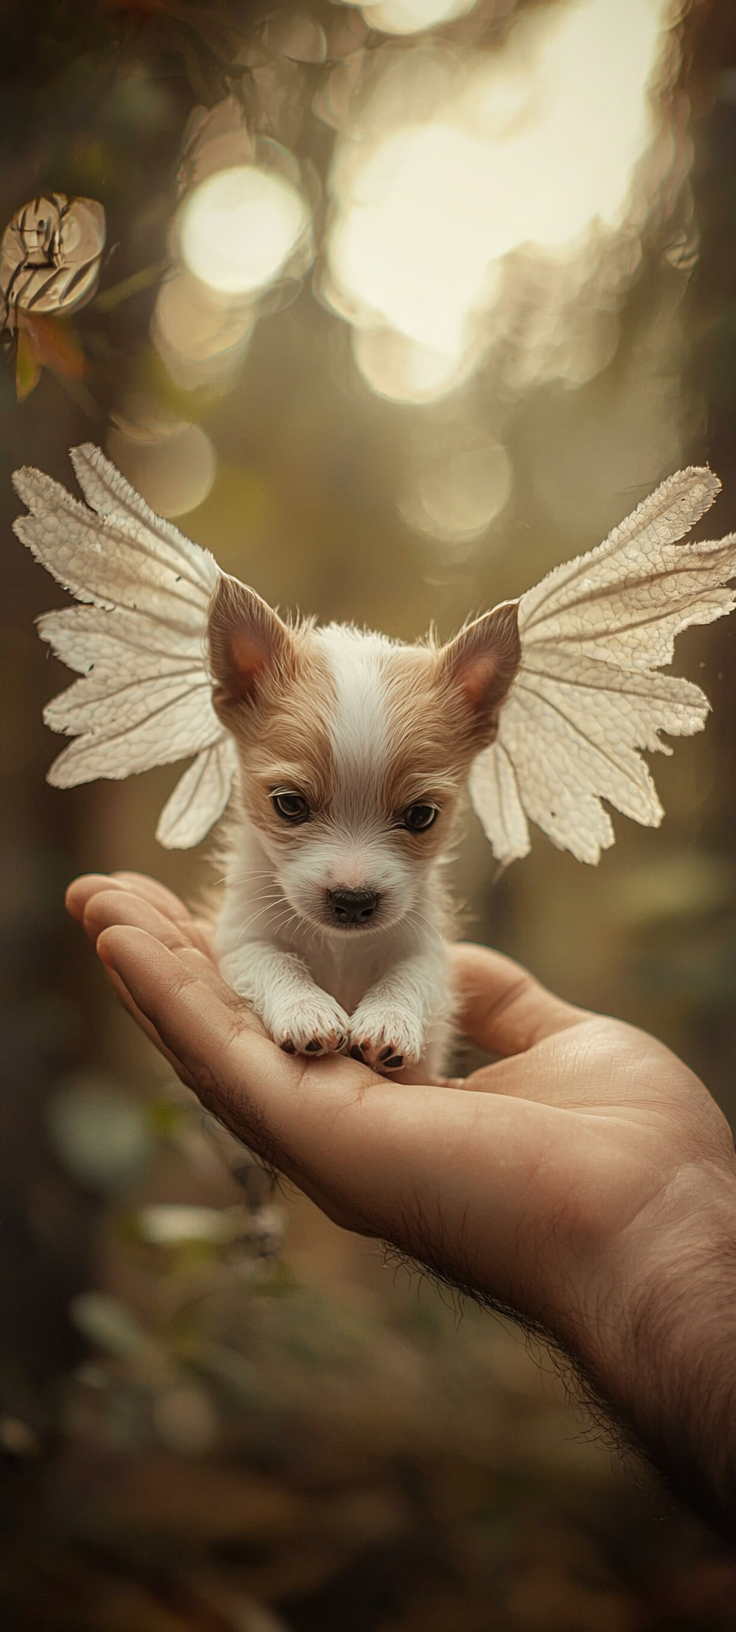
{"x": 503, "y": 1008}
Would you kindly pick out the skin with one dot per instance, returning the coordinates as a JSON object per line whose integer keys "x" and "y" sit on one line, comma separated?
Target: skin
{"x": 586, "y": 1181}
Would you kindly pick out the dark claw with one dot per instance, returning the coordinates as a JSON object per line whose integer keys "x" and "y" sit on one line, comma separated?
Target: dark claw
{"x": 314, "y": 1047}
{"x": 339, "y": 1041}
{"x": 394, "y": 1063}
{"x": 385, "y": 1052}
{"x": 357, "y": 1051}
{"x": 288, "y": 1046}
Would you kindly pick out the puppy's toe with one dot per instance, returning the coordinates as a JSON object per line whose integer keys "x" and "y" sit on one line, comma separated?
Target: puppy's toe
{"x": 386, "y": 1040}
{"x": 313, "y": 1025}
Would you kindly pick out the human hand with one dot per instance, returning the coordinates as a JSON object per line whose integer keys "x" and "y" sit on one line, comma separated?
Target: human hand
{"x": 584, "y": 1180}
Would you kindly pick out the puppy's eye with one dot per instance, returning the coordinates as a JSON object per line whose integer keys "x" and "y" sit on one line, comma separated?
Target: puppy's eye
{"x": 291, "y": 807}
{"x": 419, "y": 817}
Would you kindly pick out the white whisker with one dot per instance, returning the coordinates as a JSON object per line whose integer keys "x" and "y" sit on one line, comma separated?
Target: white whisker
{"x": 270, "y": 907}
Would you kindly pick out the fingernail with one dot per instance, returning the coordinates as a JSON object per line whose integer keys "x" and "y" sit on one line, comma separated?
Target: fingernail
{"x": 395, "y": 1061}
{"x": 288, "y": 1046}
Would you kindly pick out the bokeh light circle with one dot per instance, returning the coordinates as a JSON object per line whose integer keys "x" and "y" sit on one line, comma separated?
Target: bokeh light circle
{"x": 170, "y": 462}
{"x": 239, "y": 227}
{"x": 413, "y": 16}
{"x": 455, "y": 500}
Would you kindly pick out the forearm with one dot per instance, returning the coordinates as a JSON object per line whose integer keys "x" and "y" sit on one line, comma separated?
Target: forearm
{"x": 662, "y": 1352}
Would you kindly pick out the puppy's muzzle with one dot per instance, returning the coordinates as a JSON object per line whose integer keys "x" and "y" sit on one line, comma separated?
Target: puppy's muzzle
{"x": 352, "y": 908}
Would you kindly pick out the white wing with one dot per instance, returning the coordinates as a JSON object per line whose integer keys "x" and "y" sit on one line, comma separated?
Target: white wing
{"x": 199, "y": 798}
{"x": 588, "y": 694}
{"x": 145, "y": 696}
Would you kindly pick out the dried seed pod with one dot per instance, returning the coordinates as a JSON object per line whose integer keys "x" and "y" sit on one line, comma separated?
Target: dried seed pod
{"x": 50, "y": 256}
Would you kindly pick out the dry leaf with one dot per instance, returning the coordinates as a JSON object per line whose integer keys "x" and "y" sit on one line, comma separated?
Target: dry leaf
{"x": 55, "y": 346}
{"x": 27, "y": 366}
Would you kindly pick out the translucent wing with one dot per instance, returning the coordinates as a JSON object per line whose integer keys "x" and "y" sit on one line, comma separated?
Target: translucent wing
{"x": 588, "y": 695}
{"x": 199, "y": 798}
{"x": 145, "y": 697}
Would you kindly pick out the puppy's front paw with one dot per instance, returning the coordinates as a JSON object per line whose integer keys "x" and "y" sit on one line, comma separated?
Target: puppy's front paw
{"x": 311, "y": 1025}
{"x": 385, "y": 1037}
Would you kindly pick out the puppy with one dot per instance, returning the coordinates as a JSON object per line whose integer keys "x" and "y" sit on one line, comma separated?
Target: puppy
{"x": 354, "y": 753}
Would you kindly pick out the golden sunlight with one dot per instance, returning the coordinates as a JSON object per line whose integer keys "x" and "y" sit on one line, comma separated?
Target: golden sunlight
{"x": 461, "y": 159}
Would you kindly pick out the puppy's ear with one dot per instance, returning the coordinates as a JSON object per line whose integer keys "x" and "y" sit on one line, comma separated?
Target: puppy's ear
{"x": 247, "y": 641}
{"x": 480, "y": 664}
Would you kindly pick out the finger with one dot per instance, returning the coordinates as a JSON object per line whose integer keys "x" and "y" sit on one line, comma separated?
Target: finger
{"x": 151, "y": 889}
{"x": 117, "y": 910}
{"x": 503, "y": 1008}
{"x": 147, "y": 1026}
{"x": 186, "y": 967}
{"x": 117, "y": 905}
{"x": 82, "y": 889}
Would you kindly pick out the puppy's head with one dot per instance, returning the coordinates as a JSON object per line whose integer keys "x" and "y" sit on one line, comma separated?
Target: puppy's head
{"x": 354, "y": 750}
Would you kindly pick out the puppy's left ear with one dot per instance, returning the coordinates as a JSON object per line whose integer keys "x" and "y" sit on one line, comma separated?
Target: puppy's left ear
{"x": 480, "y": 665}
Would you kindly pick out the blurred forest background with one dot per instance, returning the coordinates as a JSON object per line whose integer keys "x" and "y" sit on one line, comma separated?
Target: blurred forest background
{"x": 495, "y": 304}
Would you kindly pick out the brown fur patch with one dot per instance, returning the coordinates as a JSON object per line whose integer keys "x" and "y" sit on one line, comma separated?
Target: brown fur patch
{"x": 282, "y": 737}
{"x": 426, "y": 759}
{"x": 443, "y": 708}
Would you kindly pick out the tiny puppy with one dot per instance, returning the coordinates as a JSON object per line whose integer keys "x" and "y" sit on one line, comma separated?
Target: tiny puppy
{"x": 354, "y": 753}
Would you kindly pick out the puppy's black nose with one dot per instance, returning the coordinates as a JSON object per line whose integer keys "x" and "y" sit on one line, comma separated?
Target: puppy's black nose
{"x": 352, "y": 906}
